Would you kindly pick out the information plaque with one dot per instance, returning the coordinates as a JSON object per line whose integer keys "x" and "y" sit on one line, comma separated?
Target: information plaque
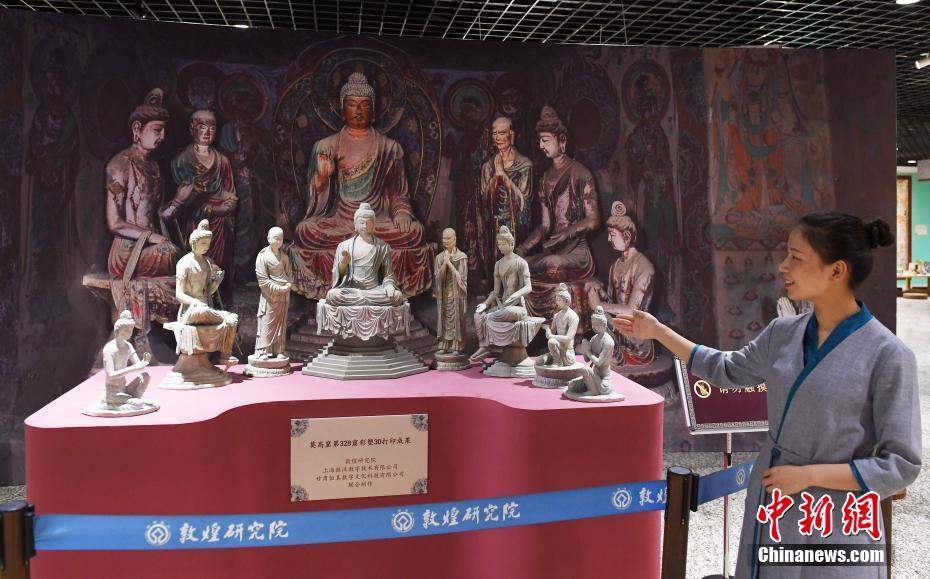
{"x": 712, "y": 410}
{"x": 358, "y": 456}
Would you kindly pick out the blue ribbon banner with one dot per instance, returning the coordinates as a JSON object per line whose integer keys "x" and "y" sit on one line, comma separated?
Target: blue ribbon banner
{"x": 155, "y": 532}
{"x": 137, "y": 532}
{"x": 724, "y": 482}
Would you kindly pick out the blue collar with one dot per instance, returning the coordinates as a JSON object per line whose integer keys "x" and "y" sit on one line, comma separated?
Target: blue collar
{"x": 842, "y": 331}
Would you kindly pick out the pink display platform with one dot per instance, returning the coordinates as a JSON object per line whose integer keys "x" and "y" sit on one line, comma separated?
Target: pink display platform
{"x": 227, "y": 451}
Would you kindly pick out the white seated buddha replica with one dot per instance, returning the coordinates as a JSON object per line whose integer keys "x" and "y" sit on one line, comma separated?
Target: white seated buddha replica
{"x": 200, "y": 328}
{"x": 363, "y": 309}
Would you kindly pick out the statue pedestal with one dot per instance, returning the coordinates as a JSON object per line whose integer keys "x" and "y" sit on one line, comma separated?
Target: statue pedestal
{"x": 451, "y": 362}
{"x": 363, "y": 348}
{"x": 103, "y": 410}
{"x": 556, "y": 376}
{"x": 269, "y": 368}
{"x": 614, "y": 396}
{"x": 357, "y": 359}
{"x": 193, "y": 371}
{"x": 513, "y": 363}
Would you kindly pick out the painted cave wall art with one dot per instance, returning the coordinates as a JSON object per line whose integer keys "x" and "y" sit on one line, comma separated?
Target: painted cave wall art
{"x": 712, "y": 153}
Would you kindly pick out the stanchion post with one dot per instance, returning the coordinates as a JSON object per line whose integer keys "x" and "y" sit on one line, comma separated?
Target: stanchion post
{"x": 679, "y": 501}
{"x": 16, "y": 539}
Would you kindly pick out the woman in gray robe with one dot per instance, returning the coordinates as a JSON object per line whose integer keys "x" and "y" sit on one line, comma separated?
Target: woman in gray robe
{"x": 844, "y": 414}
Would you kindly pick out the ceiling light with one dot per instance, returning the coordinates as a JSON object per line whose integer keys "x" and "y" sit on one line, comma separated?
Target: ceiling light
{"x": 923, "y": 61}
{"x": 138, "y": 10}
{"x": 912, "y": 162}
{"x": 905, "y": 2}
{"x": 246, "y": 26}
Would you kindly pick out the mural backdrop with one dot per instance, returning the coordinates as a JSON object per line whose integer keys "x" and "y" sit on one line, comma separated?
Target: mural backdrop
{"x": 659, "y": 178}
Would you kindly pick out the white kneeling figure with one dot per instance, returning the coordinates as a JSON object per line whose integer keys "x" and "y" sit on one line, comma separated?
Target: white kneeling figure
{"x": 122, "y": 397}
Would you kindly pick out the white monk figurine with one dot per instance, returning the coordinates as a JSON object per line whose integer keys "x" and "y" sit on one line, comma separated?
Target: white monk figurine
{"x": 558, "y": 367}
{"x": 200, "y": 329}
{"x": 450, "y": 284}
{"x": 274, "y": 275}
{"x": 122, "y": 398}
{"x": 501, "y": 320}
{"x": 594, "y": 383}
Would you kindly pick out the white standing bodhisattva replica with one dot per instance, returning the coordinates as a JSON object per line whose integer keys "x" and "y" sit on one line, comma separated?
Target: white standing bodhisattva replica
{"x": 594, "y": 383}
{"x": 363, "y": 309}
{"x": 122, "y": 398}
{"x": 274, "y": 275}
{"x": 450, "y": 286}
{"x": 557, "y": 368}
{"x": 200, "y": 329}
{"x": 501, "y": 320}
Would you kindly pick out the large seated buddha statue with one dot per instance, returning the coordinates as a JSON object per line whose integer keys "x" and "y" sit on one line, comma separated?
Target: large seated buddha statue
{"x": 557, "y": 250}
{"x": 358, "y": 165}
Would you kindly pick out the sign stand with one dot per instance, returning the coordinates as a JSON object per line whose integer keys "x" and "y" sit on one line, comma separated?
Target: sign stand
{"x": 704, "y": 416}
{"x": 727, "y": 463}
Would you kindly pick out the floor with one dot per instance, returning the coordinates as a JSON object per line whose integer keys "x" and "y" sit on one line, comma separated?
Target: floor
{"x": 911, "y": 515}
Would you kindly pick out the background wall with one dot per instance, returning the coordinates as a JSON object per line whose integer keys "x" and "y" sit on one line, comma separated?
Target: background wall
{"x": 715, "y": 152}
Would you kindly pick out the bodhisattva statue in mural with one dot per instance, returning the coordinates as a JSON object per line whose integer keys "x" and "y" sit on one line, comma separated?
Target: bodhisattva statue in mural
{"x": 200, "y": 329}
{"x": 630, "y": 286}
{"x": 506, "y": 187}
{"x": 359, "y": 165}
{"x": 450, "y": 283}
{"x": 122, "y": 397}
{"x": 273, "y": 273}
{"x": 205, "y": 184}
{"x": 362, "y": 272}
{"x": 134, "y": 190}
{"x": 557, "y": 250}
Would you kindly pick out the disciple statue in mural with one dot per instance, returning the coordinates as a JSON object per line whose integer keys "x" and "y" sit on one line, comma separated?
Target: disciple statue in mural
{"x": 362, "y": 271}
{"x": 496, "y": 317}
{"x": 557, "y": 249}
{"x": 468, "y": 151}
{"x": 205, "y": 184}
{"x": 359, "y": 165}
{"x": 506, "y": 187}
{"x": 242, "y": 101}
{"x": 630, "y": 286}
{"x": 133, "y": 184}
{"x": 122, "y": 397}
{"x": 450, "y": 286}
{"x": 561, "y": 334}
{"x": 594, "y": 383}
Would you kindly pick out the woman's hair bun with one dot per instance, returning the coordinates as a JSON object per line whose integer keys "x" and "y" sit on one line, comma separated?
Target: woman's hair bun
{"x": 879, "y": 233}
